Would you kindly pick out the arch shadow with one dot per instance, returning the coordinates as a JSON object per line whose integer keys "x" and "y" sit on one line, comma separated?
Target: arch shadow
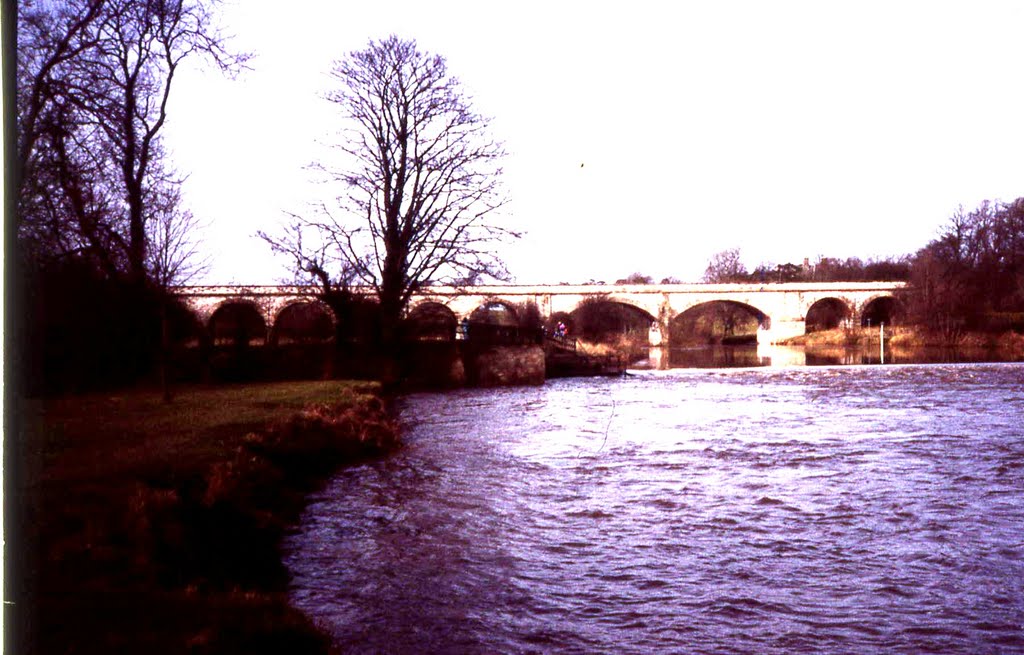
{"x": 430, "y": 321}
{"x": 238, "y": 323}
{"x": 302, "y": 322}
{"x": 606, "y": 320}
{"x": 827, "y": 314}
{"x": 883, "y": 309}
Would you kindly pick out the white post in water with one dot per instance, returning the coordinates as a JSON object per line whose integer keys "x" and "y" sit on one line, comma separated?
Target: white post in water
{"x": 881, "y": 342}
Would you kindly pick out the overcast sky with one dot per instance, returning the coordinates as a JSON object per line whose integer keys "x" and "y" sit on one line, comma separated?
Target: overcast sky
{"x": 643, "y": 137}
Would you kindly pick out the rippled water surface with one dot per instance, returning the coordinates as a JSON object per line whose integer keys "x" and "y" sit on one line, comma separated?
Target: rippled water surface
{"x": 830, "y": 510}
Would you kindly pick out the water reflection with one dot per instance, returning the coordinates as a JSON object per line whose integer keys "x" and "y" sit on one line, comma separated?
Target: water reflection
{"x": 762, "y": 355}
{"x": 718, "y": 356}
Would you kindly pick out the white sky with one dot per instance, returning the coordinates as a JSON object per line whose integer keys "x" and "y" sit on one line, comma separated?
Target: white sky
{"x": 786, "y": 129}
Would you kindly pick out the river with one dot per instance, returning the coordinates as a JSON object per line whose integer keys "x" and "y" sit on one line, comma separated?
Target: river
{"x": 857, "y": 509}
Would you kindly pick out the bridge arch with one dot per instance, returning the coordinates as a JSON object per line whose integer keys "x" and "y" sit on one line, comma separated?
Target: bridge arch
{"x": 238, "y": 322}
{"x": 718, "y": 321}
{"x": 882, "y": 308}
{"x": 186, "y": 327}
{"x": 495, "y": 311}
{"x": 827, "y": 314}
{"x": 303, "y": 321}
{"x": 429, "y": 300}
{"x": 431, "y": 320}
{"x": 607, "y": 318}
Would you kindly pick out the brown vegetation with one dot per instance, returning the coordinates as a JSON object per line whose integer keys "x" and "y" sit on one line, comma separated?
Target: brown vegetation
{"x": 714, "y": 322}
{"x": 971, "y": 278}
{"x": 1008, "y": 344}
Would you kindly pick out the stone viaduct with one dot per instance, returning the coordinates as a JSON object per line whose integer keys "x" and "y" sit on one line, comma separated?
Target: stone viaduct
{"x": 781, "y": 309}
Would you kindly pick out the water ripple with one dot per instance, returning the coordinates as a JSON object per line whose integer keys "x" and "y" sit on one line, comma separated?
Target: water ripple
{"x": 840, "y": 510}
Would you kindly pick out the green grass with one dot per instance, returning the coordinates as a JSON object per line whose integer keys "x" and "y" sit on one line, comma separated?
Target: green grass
{"x": 128, "y": 548}
{"x": 136, "y": 434}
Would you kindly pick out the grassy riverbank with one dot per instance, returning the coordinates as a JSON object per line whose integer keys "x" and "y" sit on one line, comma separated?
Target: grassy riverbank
{"x": 1007, "y": 343}
{"x": 152, "y": 527}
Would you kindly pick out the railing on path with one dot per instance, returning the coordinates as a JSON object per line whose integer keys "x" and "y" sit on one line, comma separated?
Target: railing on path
{"x": 490, "y": 334}
{"x": 562, "y": 342}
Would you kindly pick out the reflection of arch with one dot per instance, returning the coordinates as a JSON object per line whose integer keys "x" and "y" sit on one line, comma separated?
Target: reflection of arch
{"x": 718, "y": 321}
{"x": 495, "y": 312}
{"x": 826, "y": 314}
{"x": 883, "y": 309}
{"x": 603, "y": 319}
{"x": 303, "y": 322}
{"x": 431, "y": 321}
{"x": 237, "y": 322}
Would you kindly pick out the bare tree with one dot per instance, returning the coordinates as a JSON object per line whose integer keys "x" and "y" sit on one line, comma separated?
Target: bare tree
{"x": 142, "y": 44}
{"x": 419, "y": 184}
{"x": 48, "y": 39}
{"x": 725, "y": 266}
{"x": 636, "y": 278}
{"x": 62, "y": 199}
{"x": 97, "y": 196}
{"x": 173, "y": 235}
{"x": 972, "y": 276}
{"x": 95, "y": 78}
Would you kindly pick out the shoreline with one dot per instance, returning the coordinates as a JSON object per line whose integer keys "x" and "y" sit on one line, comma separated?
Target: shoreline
{"x": 137, "y": 554}
{"x": 908, "y": 337}
{"x": 142, "y": 539}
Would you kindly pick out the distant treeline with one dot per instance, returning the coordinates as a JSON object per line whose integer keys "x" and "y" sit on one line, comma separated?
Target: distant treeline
{"x": 971, "y": 277}
{"x": 726, "y": 267}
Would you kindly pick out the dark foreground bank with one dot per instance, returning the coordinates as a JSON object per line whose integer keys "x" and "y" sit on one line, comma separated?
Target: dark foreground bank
{"x": 141, "y": 527}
